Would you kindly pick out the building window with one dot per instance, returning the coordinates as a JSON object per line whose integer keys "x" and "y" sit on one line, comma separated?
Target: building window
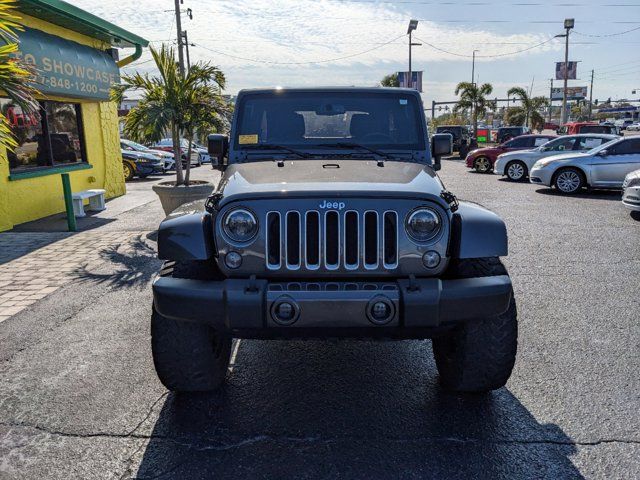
{"x": 53, "y": 139}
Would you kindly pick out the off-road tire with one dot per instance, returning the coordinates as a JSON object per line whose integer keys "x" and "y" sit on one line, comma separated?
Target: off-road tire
{"x": 478, "y": 356}
{"x": 189, "y": 357}
{"x": 463, "y": 151}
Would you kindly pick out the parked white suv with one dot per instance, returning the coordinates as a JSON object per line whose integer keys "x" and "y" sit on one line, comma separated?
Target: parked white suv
{"x": 517, "y": 165}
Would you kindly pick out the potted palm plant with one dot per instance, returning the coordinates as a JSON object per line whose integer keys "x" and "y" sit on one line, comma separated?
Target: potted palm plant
{"x": 175, "y": 104}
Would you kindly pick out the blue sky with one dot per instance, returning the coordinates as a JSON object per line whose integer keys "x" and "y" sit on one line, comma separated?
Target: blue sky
{"x": 257, "y": 42}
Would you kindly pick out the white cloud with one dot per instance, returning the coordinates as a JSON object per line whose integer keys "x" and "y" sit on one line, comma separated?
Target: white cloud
{"x": 227, "y": 32}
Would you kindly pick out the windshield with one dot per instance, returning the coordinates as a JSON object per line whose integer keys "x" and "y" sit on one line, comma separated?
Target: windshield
{"x": 604, "y": 146}
{"x": 134, "y": 145}
{"x": 318, "y": 119}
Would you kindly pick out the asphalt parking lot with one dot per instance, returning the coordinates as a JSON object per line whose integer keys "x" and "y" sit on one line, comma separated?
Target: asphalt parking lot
{"x": 79, "y": 397}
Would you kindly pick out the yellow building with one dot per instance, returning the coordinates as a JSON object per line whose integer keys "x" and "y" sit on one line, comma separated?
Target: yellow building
{"x": 75, "y": 55}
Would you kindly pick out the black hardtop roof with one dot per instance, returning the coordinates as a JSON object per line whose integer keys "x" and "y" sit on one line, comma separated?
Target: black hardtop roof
{"x": 380, "y": 90}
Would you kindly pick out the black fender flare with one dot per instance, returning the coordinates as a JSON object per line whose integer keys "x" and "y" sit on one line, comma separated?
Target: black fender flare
{"x": 186, "y": 235}
{"x": 477, "y": 233}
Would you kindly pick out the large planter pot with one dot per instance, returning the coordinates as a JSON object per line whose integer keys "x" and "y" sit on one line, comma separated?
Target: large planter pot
{"x": 171, "y": 197}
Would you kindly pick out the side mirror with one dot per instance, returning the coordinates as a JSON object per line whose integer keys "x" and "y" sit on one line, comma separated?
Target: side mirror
{"x": 217, "y": 147}
{"x": 441, "y": 144}
{"x": 602, "y": 153}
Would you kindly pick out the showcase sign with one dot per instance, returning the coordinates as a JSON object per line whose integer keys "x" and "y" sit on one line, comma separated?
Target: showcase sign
{"x": 573, "y": 93}
{"x": 572, "y": 70}
{"x": 67, "y": 68}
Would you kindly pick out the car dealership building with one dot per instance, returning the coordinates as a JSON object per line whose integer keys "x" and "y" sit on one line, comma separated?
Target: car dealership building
{"x": 75, "y": 56}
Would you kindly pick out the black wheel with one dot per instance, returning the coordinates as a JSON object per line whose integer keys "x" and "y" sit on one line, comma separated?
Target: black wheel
{"x": 516, "y": 171}
{"x": 482, "y": 164}
{"x": 128, "y": 171}
{"x": 189, "y": 357}
{"x": 569, "y": 180}
{"x": 463, "y": 151}
{"x": 478, "y": 355}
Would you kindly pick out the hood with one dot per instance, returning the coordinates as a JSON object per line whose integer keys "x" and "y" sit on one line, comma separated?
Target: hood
{"x": 486, "y": 150}
{"x": 161, "y": 153}
{"x": 521, "y": 153}
{"x": 562, "y": 157}
{"x": 333, "y": 178}
{"x": 140, "y": 156}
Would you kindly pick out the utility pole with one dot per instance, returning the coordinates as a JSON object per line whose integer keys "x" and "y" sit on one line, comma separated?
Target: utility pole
{"x": 473, "y": 68}
{"x": 413, "y": 24}
{"x": 179, "y": 29}
{"x": 186, "y": 45}
{"x": 550, "y": 99}
{"x": 591, "y": 96}
{"x": 569, "y": 23}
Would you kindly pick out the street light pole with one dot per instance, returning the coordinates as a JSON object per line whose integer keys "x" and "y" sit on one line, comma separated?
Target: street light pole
{"x": 568, "y": 25}
{"x": 413, "y": 24}
{"x": 550, "y": 99}
{"x": 179, "y": 29}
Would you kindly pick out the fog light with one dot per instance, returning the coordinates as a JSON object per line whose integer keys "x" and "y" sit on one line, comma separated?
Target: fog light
{"x": 380, "y": 310}
{"x": 285, "y": 311}
{"x": 431, "y": 259}
{"x": 233, "y": 260}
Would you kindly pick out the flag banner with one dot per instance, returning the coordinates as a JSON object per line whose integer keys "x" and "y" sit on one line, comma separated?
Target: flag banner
{"x": 416, "y": 80}
{"x": 572, "y": 71}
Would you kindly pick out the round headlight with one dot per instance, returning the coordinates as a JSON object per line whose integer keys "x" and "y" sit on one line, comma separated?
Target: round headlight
{"x": 240, "y": 225}
{"x": 423, "y": 224}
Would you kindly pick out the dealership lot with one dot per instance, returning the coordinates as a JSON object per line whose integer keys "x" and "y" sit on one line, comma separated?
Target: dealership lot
{"x": 79, "y": 396}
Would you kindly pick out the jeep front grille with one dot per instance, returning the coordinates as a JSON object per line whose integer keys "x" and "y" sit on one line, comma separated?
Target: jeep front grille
{"x": 331, "y": 240}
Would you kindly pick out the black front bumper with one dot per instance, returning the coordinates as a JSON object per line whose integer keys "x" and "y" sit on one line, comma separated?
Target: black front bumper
{"x": 245, "y": 307}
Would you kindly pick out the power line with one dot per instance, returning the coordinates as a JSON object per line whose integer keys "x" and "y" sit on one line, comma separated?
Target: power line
{"x": 328, "y": 60}
{"x": 485, "y": 56}
{"x": 608, "y": 34}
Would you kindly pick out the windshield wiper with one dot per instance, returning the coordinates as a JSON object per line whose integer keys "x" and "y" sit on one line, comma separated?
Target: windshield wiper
{"x": 272, "y": 146}
{"x": 363, "y": 147}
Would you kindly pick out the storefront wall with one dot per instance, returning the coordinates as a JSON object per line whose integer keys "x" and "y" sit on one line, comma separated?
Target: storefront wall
{"x": 27, "y": 199}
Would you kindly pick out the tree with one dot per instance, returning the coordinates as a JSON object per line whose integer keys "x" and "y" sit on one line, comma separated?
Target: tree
{"x": 172, "y": 103}
{"x": 390, "y": 80}
{"x": 15, "y": 76}
{"x": 473, "y": 98}
{"x": 528, "y": 113}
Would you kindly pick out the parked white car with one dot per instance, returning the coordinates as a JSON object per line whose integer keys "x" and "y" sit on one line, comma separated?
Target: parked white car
{"x": 631, "y": 191}
{"x": 634, "y": 127}
{"x": 516, "y": 165}
{"x": 603, "y": 167}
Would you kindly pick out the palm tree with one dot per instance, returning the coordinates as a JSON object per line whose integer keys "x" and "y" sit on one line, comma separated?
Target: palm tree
{"x": 15, "y": 76}
{"x": 528, "y": 113}
{"x": 474, "y": 99}
{"x": 172, "y": 103}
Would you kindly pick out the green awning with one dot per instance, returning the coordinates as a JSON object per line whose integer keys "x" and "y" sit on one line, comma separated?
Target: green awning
{"x": 78, "y": 20}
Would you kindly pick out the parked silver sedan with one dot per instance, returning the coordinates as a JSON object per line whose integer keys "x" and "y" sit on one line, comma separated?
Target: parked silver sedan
{"x": 516, "y": 165}
{"x": 603, "y": 167}
{"x": 631, "y": 191}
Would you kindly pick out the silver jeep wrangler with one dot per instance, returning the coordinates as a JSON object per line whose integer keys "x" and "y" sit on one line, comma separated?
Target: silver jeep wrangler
{"x": 330, "y": 221}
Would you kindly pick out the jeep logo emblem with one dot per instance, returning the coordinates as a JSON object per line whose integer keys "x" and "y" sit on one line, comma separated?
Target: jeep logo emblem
{"x": 335, "y": 205}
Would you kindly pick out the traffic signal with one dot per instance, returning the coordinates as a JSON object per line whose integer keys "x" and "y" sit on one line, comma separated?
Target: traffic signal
{"x": 595, "y": 102}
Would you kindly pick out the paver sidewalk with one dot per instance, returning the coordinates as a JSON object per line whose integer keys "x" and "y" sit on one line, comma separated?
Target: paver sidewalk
{"x": 33, "y": 265}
